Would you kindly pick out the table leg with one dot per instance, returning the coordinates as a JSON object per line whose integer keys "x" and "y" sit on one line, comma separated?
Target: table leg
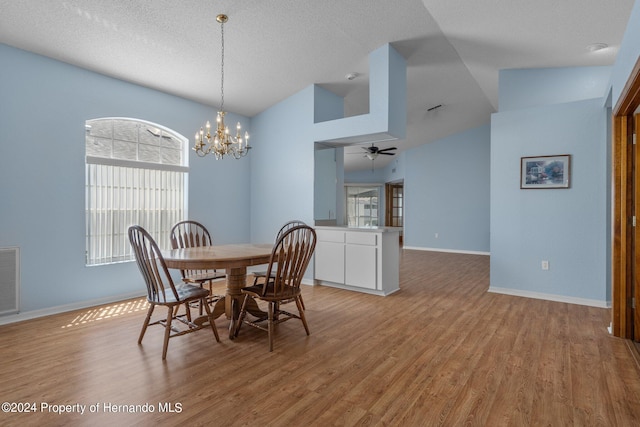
{"x": 236, "y": 280}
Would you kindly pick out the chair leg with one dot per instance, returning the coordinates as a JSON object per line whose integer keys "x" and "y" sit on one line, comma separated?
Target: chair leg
{"x": 146, "y": 322}
{"x": 301, "y": 313}
{"x": 271, "y": 326}
{"x": 203, "y": 300}
{"x": 167, "y": 332}
{"x": 211, "y": 322}
{"x": 187, "y": 309}
{"x": 302, "y": 302}
{"x": 243, "y": 313}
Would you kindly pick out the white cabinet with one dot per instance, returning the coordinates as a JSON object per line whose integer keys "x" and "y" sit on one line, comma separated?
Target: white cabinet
{"x": 329, "y": 256}
{"x": 330, "y": 261}
{"x": 366, "y": 260}
{"x": 361, "y": 266}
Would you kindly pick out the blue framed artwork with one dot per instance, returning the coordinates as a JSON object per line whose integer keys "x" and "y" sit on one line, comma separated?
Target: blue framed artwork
{"x": 545, "y": 171}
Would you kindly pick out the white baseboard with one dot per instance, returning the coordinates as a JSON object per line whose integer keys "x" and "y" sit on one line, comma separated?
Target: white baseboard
{"x": 34, "y": 314}
{"x": 453, "y": 251}
{"x": 28, "y": 315}
{"x": 550, "y": 297}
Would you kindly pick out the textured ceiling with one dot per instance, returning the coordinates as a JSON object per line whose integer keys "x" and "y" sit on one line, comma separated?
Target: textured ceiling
{"x": 453, "y": 48}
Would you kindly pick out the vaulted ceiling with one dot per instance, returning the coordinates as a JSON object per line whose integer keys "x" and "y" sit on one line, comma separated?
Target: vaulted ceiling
{"x": 273, "y": 49}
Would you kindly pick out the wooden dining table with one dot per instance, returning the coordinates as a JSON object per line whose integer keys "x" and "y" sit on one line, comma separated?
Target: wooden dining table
{"x": 234, "y": 258}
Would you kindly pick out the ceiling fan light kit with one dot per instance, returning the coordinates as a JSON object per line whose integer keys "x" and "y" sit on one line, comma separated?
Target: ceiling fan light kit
{"x": 373, "y": 152}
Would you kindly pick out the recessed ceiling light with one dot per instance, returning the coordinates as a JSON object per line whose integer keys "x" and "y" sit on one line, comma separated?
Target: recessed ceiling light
{"x": 597, "y": 46}
{"x": 351, "y": 76}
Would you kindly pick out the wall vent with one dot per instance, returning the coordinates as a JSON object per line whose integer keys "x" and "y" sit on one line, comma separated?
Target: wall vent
{"x": 9, "y": 280}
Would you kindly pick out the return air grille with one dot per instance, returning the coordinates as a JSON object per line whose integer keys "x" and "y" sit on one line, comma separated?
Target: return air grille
{"x": 9, "y": 280}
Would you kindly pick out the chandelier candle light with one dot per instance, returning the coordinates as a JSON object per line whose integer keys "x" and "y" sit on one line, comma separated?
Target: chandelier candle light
{"x": 221, "y": 143}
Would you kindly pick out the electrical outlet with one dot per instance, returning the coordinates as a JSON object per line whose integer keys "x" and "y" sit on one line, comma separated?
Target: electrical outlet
{"x": 545, "y": 264}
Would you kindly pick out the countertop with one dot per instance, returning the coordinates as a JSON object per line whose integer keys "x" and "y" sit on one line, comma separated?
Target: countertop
{"x": 360, "y": 229}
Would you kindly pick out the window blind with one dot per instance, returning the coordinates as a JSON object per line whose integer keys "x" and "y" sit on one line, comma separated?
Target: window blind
{"x": 125, "y": 187}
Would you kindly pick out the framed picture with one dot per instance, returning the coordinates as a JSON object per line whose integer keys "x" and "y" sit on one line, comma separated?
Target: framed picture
{"x": 545, "y": 171}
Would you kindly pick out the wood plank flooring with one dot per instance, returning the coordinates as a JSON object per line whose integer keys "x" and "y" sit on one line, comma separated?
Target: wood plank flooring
{"x": 441, "y": 351}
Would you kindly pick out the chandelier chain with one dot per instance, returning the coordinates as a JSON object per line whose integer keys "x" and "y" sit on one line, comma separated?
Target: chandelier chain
{"x": 222, "y": 69}
{"x": 218, "y": 140}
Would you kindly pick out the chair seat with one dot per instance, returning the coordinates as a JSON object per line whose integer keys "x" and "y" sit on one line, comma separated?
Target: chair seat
{"x": 260, "y": 273}
{"x": 185, "y": 293}
{"x": 256, "y": 292}
{"x": 204, "y": 276}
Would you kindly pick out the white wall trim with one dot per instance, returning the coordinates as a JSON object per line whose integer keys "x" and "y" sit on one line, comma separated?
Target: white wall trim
{"x": 550, "y": 297}
{"x": 453, "y": 251}
{"x": 28, "y": 315}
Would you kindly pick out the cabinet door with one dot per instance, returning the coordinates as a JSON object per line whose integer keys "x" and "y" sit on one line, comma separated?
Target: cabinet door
{"x": 361, "y": 266}
{"x": 329, "y": 262}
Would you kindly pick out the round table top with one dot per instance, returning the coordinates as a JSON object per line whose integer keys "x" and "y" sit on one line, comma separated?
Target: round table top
{"x": 218, "y": 256}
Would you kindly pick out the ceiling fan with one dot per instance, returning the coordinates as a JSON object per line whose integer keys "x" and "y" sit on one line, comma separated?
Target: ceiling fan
{"x": 373, "y": 151}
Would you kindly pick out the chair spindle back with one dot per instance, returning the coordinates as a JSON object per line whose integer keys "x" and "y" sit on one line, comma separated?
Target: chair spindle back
{"x": 151, "y": 264}
{"x": 290, "y": 257}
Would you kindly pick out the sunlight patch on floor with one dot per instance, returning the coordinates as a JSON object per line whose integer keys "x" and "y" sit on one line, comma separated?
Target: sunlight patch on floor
{"x": 108, "y": 312}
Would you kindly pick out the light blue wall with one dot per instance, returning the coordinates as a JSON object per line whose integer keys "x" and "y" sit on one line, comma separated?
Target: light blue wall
{"x": 282, "y": 165}
{"x": 446, "y": 191}
{"x": 567, "y": 227}
{"x": 395, "y": 170}
{"x": 365, "y": 176}
{"x": 543, "y": 86}
{"x": 324, "y": 185}
{"x": 282, "y": 168}
{"x": 44, "y": 105}
{"x": 386, "y": 120}
{"x": 628, "y": 54}
{"x": 387, "y": 104}
{"x": 576, "y": 238}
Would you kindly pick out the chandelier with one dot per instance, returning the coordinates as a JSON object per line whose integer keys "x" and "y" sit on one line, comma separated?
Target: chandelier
{"x": 221, "y": 143}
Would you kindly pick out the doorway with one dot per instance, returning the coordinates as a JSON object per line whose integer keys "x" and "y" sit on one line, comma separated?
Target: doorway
{"x": 625, "y": 263}
{"x": 394, "y": 205}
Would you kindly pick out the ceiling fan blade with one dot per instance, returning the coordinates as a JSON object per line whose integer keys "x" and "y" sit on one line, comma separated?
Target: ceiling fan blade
{"x": 387, "y": 154}
{"x": 387, "y": 149}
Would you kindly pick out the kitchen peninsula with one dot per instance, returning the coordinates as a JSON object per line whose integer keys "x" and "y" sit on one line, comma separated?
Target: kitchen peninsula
{"x": 359, "y": 259}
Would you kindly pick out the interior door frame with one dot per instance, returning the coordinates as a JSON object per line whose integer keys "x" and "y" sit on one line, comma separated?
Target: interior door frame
{"x": 389, "y": 206}
{"x": 622, "y": 322}
{"x": 388, "y": 193}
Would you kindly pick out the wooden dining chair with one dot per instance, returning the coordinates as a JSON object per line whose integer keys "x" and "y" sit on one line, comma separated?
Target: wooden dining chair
{"x": 290, "y": 257}
{"x": 286, "y": 226}
{"x": 188, "y": 234}
{"x": 163, "y": 292}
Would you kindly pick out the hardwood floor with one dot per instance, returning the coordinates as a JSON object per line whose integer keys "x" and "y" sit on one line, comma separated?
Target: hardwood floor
{"x": 441, "y": 351}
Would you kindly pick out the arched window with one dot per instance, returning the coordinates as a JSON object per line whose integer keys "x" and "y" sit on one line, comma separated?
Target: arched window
{"x": 136, "y": 173}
